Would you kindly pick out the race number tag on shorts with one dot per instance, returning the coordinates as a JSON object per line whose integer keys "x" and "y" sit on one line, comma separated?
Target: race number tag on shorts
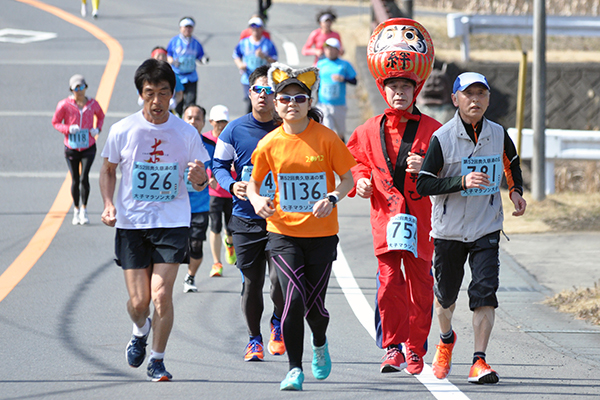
{"x": 491, "y": 165}
{"x": 155, "y": 182}
{"x": 300, "y": 192}
{"x": 80, "y": 140}
{"x": 187, "y": 63}
{"x": 267, "y": 189}
{"x": 402, "y": 233}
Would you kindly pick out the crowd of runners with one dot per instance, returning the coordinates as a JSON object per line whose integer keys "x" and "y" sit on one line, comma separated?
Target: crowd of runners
{"x": 272, "y": 179}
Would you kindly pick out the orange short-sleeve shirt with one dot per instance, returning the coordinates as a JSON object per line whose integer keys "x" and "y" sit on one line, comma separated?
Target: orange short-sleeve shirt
{"x": 315, "y": 150}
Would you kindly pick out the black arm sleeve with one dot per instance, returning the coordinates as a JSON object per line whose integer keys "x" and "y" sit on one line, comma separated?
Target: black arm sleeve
{"x": 428, "y": 183}
{"x": 514, "y": 176}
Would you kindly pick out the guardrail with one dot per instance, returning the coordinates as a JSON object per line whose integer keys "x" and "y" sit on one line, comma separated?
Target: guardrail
{"x": 464, "y": 25}
{"x": 560, "y": 145}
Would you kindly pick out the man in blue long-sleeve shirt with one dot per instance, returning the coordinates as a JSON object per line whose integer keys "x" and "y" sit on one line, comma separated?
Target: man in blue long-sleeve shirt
{"x": 235, "y": 146}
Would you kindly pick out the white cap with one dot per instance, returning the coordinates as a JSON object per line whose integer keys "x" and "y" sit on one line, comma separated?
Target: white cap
{"x": 466, "y": 79}
{"x": 326, "y": 17}
{"x": 255, "y": 21}
{"x": 219, "y": 113}
{"x": 333, "y": 42}
{"x": 186, "y": 22}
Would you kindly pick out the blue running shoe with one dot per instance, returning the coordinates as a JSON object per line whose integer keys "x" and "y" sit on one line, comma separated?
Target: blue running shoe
{"x": 321, "y": 362}
{"x": 157, "y": 372}
{"x": 136, "y": 349}
{"x": 293, "y": 380}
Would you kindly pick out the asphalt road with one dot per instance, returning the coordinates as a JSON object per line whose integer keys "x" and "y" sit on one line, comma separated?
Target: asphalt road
{"x": 64, "y": 327}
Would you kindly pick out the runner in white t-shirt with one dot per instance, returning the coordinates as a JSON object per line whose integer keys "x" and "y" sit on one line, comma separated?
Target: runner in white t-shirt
{"x": 153, "y": 148}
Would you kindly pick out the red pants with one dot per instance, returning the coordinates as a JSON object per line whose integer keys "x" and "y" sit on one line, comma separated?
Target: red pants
{"x": 404, "y": 307}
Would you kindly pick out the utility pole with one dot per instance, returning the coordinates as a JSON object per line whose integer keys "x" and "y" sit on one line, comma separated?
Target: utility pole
{"x": 538, "y": 162}
{"x": 407, "y": 8}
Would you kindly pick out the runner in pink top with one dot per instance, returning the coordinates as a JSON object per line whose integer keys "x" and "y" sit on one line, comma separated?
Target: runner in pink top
{"x": 74, "y": 118}
{"x": 316, "y": 39}
{"x": 221, "y": 203}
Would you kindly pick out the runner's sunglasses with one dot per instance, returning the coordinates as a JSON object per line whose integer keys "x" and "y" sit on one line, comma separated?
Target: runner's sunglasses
{"x": 298, "y": 99}
{"x": 79, "y": 88}
{"x": 258, "y": 89}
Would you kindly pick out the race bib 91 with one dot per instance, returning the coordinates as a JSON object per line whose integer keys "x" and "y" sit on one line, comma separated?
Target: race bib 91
{"x": 155, "y": 181}
{"x": 300, "y": 192}
{"x": 402, "y": 233}
{"x": 491, "y": 165}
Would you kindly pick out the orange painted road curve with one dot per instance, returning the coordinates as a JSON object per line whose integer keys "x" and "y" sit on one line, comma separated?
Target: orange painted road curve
{"x": 62, "y": 204}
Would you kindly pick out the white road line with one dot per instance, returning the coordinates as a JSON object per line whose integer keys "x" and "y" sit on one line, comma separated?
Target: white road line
{"x": 49, "y": 114}
{"x": 291, "y": 53}
{"x": 289, "y": 48}
{"x": 441, "y": 389}
{"x": 43, "y": 174}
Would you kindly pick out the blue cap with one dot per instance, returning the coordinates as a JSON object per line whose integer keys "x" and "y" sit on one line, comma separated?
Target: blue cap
{"x": 466, "y": 79}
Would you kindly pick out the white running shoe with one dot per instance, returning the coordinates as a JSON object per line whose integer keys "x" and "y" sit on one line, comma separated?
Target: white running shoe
{"x": 95, "y": 14}
{"x": 189, "y": 286}
{"x": 83, "y": 216}
{"x": 83, "y": 9}
{"x": 75, "y": 216}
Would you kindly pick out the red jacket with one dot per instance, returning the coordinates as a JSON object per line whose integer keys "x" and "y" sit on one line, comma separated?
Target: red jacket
{"x": 387, "y": 201}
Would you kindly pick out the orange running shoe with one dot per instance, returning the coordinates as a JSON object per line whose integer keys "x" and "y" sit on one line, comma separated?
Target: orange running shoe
{"x": 276, "y": 346}
{"x": 216, "y": 270}
{"x": 442, "y": 361}
{"x": 393, "y": 360}
{"x": 481, "y": 372}
{"x": 254, "y": 351}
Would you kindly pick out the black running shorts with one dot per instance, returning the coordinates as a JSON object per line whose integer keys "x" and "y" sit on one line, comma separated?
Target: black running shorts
{"x": 449, "y": 263}
{"x": 139, "y": 248}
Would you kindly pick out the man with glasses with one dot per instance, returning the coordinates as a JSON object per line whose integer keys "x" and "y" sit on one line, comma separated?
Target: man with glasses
{"x": 235, "y": 146}
{"x": 253, "y": 51}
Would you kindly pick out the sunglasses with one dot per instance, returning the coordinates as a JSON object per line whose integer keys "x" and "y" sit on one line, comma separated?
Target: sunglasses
{"x": 298, "y": 99}
{"x": 79, "y": 88}
{"x": 259, "y": 89}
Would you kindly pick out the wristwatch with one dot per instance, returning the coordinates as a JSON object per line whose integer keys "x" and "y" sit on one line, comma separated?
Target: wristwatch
{"x": 333, "y": 199}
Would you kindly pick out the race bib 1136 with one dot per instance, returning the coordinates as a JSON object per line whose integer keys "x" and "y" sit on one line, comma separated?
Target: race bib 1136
{"x": 300, "y": 192}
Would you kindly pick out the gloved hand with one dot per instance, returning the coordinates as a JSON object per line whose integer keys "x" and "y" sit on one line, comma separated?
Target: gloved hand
{"x": 74, "y": 128}
{"x": 94, "y": 131}
{"x": 204, "y": 60}
{"x": 172, "y": 104}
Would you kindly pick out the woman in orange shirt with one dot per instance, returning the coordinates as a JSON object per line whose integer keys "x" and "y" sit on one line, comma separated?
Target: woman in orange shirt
{"x": 303, "y": 156}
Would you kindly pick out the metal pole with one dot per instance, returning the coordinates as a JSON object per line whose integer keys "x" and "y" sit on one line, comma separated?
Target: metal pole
{"x": 538, "y": 178}
{"x": 408, "y": 8}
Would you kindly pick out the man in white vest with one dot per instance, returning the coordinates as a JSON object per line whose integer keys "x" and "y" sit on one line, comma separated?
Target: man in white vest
{"x": 462, "y": 171}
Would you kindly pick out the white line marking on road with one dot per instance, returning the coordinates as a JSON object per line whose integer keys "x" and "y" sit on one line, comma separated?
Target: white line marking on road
{"x": 289, "y": 48}
{"x": 49, "y": 114}
{"x": 21, "y": 36}
{"x": 291, "y": 53}
{"x": 441, "y": 389}
{"x": 42, "y": 174}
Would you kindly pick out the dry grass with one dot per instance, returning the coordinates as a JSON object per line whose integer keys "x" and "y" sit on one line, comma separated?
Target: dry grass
{"x": 558, "y": 212}
{"x": 583, "y": 303}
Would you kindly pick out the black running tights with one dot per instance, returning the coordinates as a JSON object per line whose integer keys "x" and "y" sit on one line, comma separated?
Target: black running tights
{"x": 74, "y": 159}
